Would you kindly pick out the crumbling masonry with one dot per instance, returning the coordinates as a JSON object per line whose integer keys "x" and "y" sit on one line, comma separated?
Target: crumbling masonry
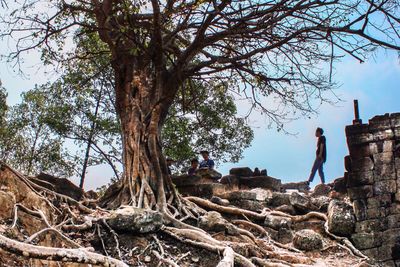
{"x": 373, "y": 185}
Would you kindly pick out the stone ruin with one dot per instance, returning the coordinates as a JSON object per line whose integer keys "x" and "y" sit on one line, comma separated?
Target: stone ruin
{"x": 373, "y": 185}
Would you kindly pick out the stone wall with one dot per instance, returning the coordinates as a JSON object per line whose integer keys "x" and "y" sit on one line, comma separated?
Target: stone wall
{"x": 373, "y": 185}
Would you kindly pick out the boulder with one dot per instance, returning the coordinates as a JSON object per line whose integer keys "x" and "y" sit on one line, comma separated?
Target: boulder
{"x": 213, "y": 221}
{"x": 266, "y": 182}
{"x": 256, "y": 194}
{"x": 285, "y": 235}
{"x": 7, "y": 200}
{"x": 341, "y": 218}
{"x": 321, "y": 190}
{"x": 130, "y": 219}
{"x": 277, "y": 222}
{"x": 241, "y": 172}
{"x": 185, "y": 180}
{"x": 307, "y": 240}
{"x": 59, "y": 185}
{"x": 286, "y": 209}
{"x": 340, "y": 184}
{"x": 278, "y": 199}
{"x": 321, "y": 203}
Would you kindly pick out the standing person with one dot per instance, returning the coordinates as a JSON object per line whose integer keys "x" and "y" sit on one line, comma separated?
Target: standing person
{"x": 194, "y": 165}
{"x": 206, "y": 162}
{"x": 320, "y": 157}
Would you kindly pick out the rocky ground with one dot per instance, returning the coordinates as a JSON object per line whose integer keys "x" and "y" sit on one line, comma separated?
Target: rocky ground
{"x": 248, "y": 221}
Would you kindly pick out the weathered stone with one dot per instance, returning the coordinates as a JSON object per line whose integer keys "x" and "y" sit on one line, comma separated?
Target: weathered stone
{"x": 383, "y": 158}
{"x": 360, "y": 209}
{"x": 321, "y": 203}
{"x": 356, "y": 152}
{"x": 370, "y": 226}
{"x": 91, "y": 194}
{"x": 130, "y": 219}
{"x": 285, "y": 235}
{"x": 208, "y": 173}
{"x": 241, "y": 172}
{"x": 391, "y": 236}
{"x": 358, "y": 134}
{"x": 301, "y": 203}
{"x": 278, "y": 199}
{"x": 206, "y": 190}
{"x": 307, "y": 240}
{"x": 362, "y": 164}
{"x": 376, "y": 213}
{"x": 276, "y": 222}
{"x": 60, "y": 185}
{"x": 382, "y": 146}
{"x": 380, "y": 122}
{"x": 240, "y": 195}
{"x": 360, "y": 192}
{"x": 372, "y": 253}
{"x": 213, "y": 221}
{"x": 321, "y": 190}
{"x": 186, "y": 180}
{"x": 301, "y": 186}
{"x": 384, "y": 172}
{"x": 379, "y": 201}
{"x": 360, "y": 178}
{"x": 261, "y": 194}
{"x": 247, "y": 204}
{"x": 385, "y": 187}
{"x": 287, "y": 209}
{"x": 340, "y": 184}
{"x": 341, "y": 218}
{"x": 229, "y": 179}
{"x": 385, "y": 252}
{"x": 260, "y": 182}
{"x": 7, "y": 200}
{"x": 381, "y": 135}
{"x": 366, "y": 240}
{"x": 219, "y": 201}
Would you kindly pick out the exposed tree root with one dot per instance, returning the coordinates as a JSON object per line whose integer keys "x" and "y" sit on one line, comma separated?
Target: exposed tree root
{"x": 229, "y": 258}
{"x": 57, "y": 254}
{"x": 254, "y": 226}
{"x": 230, "y": 210}
{"x": 164, "y": 260}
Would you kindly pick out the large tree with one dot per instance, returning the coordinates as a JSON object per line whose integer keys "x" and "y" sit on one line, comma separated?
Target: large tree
{"x": 273, "y": 49}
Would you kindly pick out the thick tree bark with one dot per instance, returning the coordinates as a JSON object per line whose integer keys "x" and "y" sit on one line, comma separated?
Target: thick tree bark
{"x": 142, "y": 107}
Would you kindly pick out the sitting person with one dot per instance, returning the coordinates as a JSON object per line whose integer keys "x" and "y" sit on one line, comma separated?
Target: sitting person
{"x": 206, "y": 162}
{"x": 194, "y": 165}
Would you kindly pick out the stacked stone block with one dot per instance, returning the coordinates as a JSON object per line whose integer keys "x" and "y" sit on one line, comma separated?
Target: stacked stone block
{"x": 373, "y": 185}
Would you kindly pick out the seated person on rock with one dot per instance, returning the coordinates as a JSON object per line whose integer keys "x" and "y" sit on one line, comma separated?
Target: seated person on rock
{"x": 194, "y": 166}
{"x": 207, "y": 162}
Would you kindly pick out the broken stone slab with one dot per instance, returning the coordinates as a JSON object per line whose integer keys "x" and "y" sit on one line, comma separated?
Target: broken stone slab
{"x": 321, "y": 190}
{"x": 307, "y": 240}
{"x": 7, "y": 202}
{"x": 341, "y": 218}
{"x": 256, "y": 194}
{"x": 286, "y": 209}
{"x": 278, "y": 199}
{"x": 247, "y": 204}
{"x": 265, "y": 182}
{"x": 241, "y": 172}
{"x": 300, "y": 186}
{"x": 301, "y": 203}
{"x": 130, "y": 219}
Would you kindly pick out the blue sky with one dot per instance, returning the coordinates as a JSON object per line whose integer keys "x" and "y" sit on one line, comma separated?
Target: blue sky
{"x": 288, "y": 157}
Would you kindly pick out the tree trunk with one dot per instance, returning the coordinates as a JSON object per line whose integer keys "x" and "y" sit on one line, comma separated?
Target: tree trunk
{"x": 142, "y": 109}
